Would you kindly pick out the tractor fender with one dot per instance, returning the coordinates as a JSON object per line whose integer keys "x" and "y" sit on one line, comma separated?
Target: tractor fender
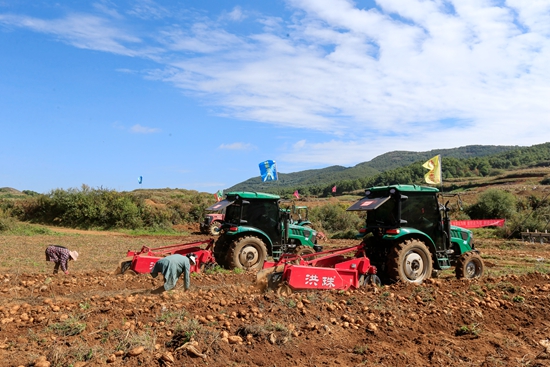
{"x": 252, "y": 231}
{"x": 462, "y": 246}
{"x": 406, "y": 233}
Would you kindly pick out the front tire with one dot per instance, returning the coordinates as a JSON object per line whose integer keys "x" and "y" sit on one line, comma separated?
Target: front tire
{"x": 410, "y": 262}
{"x": 247, "y": 253}
{"x": 214, "y": 229}
{"x": 304, "y": 250}
{"x": 469, "y": 266}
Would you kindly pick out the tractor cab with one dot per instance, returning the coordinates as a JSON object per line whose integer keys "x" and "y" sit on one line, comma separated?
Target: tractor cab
{"x": 255, "y": 226}
{"x": 403, "y": 223}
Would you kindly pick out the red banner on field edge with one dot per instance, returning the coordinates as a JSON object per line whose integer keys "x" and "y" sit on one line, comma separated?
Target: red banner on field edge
{"x": 478, "y": 223}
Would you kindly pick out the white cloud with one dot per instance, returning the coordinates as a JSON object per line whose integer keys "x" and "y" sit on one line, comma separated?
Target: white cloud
{"x": 413, "y": 74}
{"x": 148, "y": 9}
{"x": 80, "y": 30}
{"x": 299, "y": 144}
{"x": 236, "y": 14}
{"x": 237, "y": 146}
{"x": 138, "y": 129}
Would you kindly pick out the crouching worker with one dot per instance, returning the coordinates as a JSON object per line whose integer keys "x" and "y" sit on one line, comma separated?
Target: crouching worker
{"x": 172, "y": 267}
{"x": 60, "y": 256}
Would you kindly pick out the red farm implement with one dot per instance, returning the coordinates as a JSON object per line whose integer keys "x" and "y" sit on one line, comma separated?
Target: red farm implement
{"x": 142, "y": 261}
{"x": 338, "y": 269}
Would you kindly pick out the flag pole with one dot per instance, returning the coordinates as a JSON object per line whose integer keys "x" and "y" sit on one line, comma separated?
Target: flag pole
{"x": 441, "y": 174}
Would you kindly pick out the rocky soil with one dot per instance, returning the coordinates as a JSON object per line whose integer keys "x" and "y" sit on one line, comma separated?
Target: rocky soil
{"x": 93, "y": 317}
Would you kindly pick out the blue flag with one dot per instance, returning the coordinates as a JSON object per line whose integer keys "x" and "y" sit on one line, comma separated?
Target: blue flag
{"x": 140, "y": 180}
{"x": 268, "y": 170}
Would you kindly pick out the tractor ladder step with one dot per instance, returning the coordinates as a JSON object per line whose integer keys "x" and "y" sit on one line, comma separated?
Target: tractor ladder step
{"x": 277, "y": 254}
{"x": 444, "y": 262}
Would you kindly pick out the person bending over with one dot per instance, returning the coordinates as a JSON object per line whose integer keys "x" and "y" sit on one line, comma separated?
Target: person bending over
{"x": 172, "y": 267}
{"x": 60, "y": 256}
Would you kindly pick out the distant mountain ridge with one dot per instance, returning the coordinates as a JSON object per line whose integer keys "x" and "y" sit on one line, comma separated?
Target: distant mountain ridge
{"x": 377, "y": 165}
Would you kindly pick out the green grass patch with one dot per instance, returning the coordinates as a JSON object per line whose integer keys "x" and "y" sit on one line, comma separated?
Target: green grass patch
{"x": 25, "y": 229}
{"x": 70, "y": 327}
{"x": 216, "y": 269}
{"x": 472, "y": 329}
{"x": 152, "y": 232}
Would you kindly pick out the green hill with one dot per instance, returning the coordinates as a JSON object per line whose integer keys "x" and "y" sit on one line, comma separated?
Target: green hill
{"x": 382, "y": 163}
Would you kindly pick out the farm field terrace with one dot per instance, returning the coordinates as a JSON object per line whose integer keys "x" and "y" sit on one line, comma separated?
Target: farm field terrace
{"x": 92, "y": 317}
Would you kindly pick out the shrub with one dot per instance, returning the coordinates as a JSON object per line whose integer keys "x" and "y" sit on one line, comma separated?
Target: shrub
{"x": 6, "y": 222}
{"x": 493, "y": 203}
{"x": 334, "y": 218}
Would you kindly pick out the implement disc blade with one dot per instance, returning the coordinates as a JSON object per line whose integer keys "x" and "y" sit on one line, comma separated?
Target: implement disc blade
{"x": 124, "y": 265}
{"x": 261, "y": 276}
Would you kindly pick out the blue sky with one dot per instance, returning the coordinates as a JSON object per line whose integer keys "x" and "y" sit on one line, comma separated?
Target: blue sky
{"x": 195, "y": 94}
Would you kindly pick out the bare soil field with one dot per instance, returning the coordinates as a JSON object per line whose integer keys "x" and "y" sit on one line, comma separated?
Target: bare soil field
{"x": 92, "y": 317}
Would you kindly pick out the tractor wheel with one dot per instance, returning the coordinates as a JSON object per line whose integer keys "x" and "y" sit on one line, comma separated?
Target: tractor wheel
{"x": 214, "y": 228}
{"x": 220, "y": 253}
{"x": 410, "y": 262}
{"x": 469, "y": 266}
{"x": 247, "y": 253}
{"x": 304, "y": 250}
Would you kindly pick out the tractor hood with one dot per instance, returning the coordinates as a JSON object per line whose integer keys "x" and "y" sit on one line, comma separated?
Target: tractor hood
{"x": 368, "y": 204}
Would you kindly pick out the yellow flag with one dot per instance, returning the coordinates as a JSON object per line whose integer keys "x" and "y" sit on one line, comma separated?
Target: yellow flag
{"x": 434, "y": 165}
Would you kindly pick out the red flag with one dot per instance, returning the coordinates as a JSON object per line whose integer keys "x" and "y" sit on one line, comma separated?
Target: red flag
{"x": 296, "y": 194}
{"x": 334, "y": 188}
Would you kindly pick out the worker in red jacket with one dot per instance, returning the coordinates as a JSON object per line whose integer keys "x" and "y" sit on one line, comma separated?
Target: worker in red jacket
{"x": 60, "y": 256}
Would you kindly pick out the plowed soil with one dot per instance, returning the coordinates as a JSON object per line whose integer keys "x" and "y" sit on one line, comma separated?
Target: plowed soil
{"x": 92, "y": 317}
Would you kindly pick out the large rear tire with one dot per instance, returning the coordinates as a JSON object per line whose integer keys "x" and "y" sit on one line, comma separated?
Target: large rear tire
{"x": 220, "y": 253}
{"x": 469, "y": 266}
{"x": 410, "y": 262}
{"x": 247, "y": 253}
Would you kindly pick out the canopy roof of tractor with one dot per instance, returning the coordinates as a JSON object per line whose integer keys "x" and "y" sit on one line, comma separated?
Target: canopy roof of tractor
{"x": 250, "y": 195}
{"x": 403, "y": 188}
{"x": 368, "y": 204}
{"x": 231, "y": 197}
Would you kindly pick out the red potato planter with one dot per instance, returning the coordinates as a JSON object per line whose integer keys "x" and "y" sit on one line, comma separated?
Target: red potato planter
{"x": 142, "y": 261}
{"x": 338, "y": 269}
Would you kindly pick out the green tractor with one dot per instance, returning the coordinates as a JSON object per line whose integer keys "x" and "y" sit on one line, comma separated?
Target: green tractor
{"x": 298, "y": 214}
{"x": 408, "y": 235}
{"x": 255, "y": 227}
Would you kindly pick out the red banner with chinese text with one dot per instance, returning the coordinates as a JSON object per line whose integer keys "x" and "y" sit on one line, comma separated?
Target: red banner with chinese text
{"x": 478, "y": 223}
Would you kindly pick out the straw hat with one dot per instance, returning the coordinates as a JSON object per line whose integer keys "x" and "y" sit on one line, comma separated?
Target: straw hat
{"x": 73, "y": 255}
